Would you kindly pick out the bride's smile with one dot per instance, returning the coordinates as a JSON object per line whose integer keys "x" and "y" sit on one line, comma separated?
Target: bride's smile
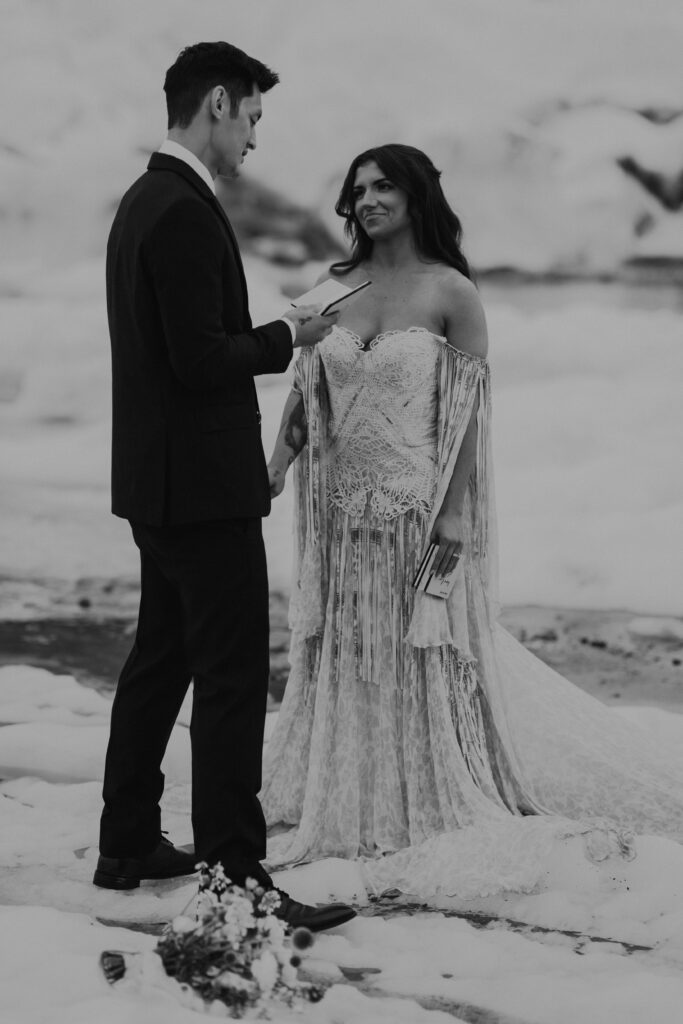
{"x": 381, "y": 207}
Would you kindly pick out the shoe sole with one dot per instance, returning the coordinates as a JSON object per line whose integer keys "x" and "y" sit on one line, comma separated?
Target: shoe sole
{"x": 105, "y": 880}
{"x": 322, "y": 927}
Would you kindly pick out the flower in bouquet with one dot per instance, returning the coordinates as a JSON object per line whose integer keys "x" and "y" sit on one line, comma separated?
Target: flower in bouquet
{"x": 237, "y": 952}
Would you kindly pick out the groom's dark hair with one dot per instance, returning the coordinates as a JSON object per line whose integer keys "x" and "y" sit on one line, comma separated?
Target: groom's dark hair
{"x": 202, "y": 67}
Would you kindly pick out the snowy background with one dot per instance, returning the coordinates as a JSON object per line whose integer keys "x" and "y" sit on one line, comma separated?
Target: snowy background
{"x": 533, "y": 109}
{"x": 559, "y": 131}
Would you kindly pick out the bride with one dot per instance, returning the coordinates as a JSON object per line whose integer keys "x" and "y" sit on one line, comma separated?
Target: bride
{"x": 415, "y": 732}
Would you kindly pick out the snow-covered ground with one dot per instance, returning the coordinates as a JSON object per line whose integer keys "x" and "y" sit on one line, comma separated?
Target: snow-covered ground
{"x": 52, "y": 930}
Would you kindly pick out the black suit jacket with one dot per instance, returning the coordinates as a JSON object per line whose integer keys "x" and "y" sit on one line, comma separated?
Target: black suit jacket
{"x": 186, "y": 443}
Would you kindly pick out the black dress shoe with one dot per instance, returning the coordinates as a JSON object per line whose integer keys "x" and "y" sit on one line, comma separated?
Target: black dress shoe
{"x": 316, "y": 919}
{"x": 126, "y": 872}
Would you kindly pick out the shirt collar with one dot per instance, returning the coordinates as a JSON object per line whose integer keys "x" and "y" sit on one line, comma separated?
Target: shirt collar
{"x": 170, "y": 148}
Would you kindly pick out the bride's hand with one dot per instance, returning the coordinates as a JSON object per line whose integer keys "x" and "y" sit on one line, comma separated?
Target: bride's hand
{"x": 449, "y": 534}
{"x": 276, "y": 479}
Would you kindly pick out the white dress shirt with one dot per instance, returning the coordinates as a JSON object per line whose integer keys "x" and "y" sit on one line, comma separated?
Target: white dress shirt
{"x": 170, "y": 148}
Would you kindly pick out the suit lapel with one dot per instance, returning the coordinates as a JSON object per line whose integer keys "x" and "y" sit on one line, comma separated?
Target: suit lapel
{"x": 233, "y": 239}
{"x": 164, "y": 162}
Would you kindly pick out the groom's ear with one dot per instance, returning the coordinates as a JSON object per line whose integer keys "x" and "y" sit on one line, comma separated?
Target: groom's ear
{"x": 219, "y": 101}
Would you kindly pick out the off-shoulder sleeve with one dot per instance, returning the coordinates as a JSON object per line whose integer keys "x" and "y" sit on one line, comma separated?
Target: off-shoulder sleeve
{"x": 310, "y": 571}
{"x": 464, "y": 391}
{"x": 464, "y": 388}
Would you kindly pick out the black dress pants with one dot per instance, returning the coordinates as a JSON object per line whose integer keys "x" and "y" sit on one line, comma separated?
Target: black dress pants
{"x": 203, "y": 616}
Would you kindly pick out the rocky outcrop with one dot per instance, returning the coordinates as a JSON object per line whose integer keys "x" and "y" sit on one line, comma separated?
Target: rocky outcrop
{"x": 272, "y": 227}
{"x": 666, "y": 188}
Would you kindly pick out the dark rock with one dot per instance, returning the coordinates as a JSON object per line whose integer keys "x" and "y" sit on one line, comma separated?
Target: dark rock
{"x": 547, "y": 636}
{"x": 666, "y": 188}
{"x": 272, "y": 226}
{"x": 644, "y": 224}
{"x": 113, "y": 964}
{"x": 279, "y": 639}
{"x": 660, "y": 115}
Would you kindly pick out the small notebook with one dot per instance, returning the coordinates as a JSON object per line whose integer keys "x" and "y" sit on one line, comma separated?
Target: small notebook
{"x": 329, "y": 293}
{"x": 428, "y": 582}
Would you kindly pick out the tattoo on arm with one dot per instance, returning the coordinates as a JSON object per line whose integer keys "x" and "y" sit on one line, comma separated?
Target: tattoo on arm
{"x": 296, "y": 430}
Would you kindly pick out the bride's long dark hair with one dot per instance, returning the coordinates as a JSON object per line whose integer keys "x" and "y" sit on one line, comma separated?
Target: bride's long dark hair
{"x": 437, "y": 229}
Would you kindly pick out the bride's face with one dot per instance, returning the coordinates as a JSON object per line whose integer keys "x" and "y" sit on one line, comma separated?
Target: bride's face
{"x": 380, "y": 207}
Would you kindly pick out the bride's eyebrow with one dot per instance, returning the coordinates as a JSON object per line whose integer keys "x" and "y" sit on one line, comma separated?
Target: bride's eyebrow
{"x": 376, "y": 181}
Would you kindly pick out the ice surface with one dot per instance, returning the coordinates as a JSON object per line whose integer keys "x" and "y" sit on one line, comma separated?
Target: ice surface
{"x": 587, "y": 427}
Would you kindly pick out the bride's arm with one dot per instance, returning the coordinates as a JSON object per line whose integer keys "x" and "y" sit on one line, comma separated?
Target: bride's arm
{"x": 465, "y": 331}
{"x": 463, "y": 313}
{"x": 293, "y": 431}
{"x": 290, "y": 440}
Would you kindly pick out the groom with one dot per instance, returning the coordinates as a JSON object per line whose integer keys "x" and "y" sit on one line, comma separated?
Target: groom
{"x": 188, "y": 472}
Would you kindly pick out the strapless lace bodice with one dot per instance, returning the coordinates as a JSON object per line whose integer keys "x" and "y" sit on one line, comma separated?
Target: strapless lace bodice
{"x": 383, "y": 406}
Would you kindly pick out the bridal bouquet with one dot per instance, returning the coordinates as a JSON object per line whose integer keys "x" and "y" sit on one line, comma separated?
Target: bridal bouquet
{"x": 236, "y": 952}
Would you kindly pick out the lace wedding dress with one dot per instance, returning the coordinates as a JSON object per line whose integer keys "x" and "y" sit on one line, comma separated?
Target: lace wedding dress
{"x": 416, "y": 733}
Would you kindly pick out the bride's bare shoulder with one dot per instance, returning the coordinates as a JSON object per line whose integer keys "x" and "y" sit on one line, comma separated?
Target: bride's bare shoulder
{"x": 463, "y": 313}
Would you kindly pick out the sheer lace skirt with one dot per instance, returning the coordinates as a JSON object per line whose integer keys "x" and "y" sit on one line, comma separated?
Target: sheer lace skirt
{"x": 379, "y": 744}
{"x": 443, "y": 751}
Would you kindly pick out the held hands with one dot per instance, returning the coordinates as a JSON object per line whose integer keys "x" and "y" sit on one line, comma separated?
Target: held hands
{"x": 276, "y": 479}
{"x": 290, "y": 441}
{"x": 449, "y": 534}
{"x": 311, "y": 327}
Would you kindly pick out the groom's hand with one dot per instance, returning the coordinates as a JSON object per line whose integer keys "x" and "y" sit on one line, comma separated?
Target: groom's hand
{"x": 310, "y": 326}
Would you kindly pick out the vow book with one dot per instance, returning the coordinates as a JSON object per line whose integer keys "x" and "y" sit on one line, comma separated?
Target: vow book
{"x": 428, "y": 582}
{"x": 329, "y": 293}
